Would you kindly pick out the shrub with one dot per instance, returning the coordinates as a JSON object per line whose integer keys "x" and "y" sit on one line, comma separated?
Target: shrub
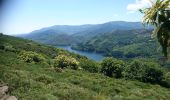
{"x": 135, "y": 70}
{"x": 63, "y": 61}
{"x": 29, "y": 56}
{"x": 112, "y": 67}
{"x": 9, "y": 47}
{"x": 89, "y": 65}
{"x": 144, "y": 71}
{"x": 153, "y": 73}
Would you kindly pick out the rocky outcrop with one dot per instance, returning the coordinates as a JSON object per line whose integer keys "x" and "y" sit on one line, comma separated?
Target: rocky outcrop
{"x": 4, "y": 95}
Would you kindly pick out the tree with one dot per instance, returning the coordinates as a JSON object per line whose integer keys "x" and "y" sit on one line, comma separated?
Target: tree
{"x": 158, "y": 15}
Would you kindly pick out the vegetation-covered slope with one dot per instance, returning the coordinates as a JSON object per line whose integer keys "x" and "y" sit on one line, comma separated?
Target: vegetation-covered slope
{"x": 40, "y": 81}
{"x": 122, "y": 44}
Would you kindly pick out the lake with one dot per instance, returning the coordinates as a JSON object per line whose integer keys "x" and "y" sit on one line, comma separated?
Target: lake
{"x": 90, "y": 55}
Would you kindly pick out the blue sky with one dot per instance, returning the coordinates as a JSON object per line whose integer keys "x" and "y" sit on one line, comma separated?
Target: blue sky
{"x": 23, "y": 16}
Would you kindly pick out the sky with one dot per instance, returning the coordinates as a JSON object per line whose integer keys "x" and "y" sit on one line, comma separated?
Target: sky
{"x": 24, "y": 16}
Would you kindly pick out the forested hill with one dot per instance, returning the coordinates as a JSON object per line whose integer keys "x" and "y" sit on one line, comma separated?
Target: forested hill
{"x": 122, "y": 44}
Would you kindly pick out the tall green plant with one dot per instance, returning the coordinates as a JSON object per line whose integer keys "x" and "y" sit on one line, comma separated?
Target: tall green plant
{"x": 158, "y": 15}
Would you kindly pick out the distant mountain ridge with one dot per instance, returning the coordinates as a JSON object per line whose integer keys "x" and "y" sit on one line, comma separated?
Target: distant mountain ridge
{"x": 70, "y": 34}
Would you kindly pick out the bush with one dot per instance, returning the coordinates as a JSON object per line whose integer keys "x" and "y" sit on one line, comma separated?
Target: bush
{"x": 89, "y": 65}
{"x": 144, "y": 71}
{"x": 112, "y": 67}
{"x": 153, "y": 73}
{"x": 29, "y": 56}
{"x": 9, "y": 47}
{"x": 63, "y": 61}
{"x": 135, "y": 70}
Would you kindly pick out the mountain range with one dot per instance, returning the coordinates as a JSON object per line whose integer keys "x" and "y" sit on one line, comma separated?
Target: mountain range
{"x": 71, "y": 34}
{"x": 117, "y": 38}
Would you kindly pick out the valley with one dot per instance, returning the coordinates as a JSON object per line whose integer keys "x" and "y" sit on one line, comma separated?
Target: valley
{"x": 85, "y": 50}
{"x": 118, "y": 39}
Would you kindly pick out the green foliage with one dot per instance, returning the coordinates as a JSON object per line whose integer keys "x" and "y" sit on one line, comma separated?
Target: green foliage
{"x": 89, "y": 65}
{"x": 9, "y": 47}
{"x": 44, "y": 79}
{"x": 63, "y": 61}
{"x": 135, "y": 70}
{"x": 112, "y": 67}
{"x": 153, "y": 73}
{"x": 144, "y": 71}
{"x": 122, "y": 44}
{"x": 166, "y": 80}
{"x": 29, "y": 56}
{"x": 158, "y": 15}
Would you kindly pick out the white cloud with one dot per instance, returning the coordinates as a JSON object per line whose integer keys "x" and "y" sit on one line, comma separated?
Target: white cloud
{"x": 138, "y": 5}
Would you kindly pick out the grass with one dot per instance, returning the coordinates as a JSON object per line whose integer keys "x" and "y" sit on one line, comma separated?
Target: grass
{"x": 38, "y": 81}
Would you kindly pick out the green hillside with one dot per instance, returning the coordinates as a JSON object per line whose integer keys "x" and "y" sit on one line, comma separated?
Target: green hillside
{"x": 29, "y": 70}
{"x": 122, "y": 44}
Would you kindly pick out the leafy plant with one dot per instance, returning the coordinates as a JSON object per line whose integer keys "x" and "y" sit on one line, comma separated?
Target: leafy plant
{"x": 166, "y": 80}
{"x": 134, "y": 70}
{"x": 89, "y": 65}
{"x": 152, "y": 73}
{"x": 158, "y": 15}
{"x": 29, "y": 56}
{"x": 112, "y": 67}
{"x": 8, "y": 47}
{"x": 63, "y": 61}
{"x": 144, "y": 71}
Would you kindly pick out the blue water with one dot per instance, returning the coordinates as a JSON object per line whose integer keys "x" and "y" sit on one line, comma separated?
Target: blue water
{"x": 90, "y": 55}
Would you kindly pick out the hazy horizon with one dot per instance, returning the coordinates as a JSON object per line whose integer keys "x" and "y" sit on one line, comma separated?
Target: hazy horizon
{"x": 24, "y": 16}
{"x": 68, "y": 25}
